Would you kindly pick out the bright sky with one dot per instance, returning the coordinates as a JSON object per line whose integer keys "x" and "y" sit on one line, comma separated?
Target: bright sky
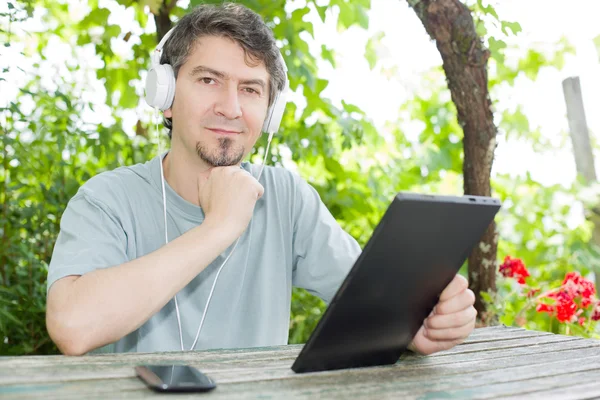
{"x": 407, "y": 48}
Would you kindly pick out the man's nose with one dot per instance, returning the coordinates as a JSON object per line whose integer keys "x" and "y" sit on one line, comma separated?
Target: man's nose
{"x": 228, "y": 104}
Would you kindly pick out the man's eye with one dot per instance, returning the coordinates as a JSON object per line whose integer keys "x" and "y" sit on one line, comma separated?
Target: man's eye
{"x": 208, "y": 81}
{"x": 251, "y": 91}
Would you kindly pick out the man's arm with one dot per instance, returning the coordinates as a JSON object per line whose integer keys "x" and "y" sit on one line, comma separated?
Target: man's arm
{"x": 323, "y": 252}
{"x": 89, "y": 311}
{"x": 100, "y": 307}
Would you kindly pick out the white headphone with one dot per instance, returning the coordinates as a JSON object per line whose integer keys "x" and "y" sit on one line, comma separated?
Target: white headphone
{"x": 160, "y": 88}
{"x": 160, "y": 91}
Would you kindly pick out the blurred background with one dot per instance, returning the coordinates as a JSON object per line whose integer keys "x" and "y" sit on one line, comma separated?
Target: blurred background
{"x": 370, "y": 115}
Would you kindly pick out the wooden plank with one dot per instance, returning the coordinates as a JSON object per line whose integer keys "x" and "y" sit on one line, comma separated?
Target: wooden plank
{"x": 517, "y": 361}
{"x": 521, "y": 388}
{"x": 274, "y": 351}
{"x": 279, "y": 352}
{"x": 62, "y": 372}
{"x": 278, "y": 361}
{"x": 549, "y": 346}
{"x": 495, "y": 336}
{"x": 413, "y": 373}
{"x": 584, "y": 390}
{"x": 503, "y": 344}
{"x": 380, "y": 385}
{"x": 389, "y": 383}
{"x": 397, "y": 380}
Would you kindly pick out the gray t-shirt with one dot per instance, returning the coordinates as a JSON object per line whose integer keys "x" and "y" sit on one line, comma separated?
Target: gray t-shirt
{"x": 292, "y": 239}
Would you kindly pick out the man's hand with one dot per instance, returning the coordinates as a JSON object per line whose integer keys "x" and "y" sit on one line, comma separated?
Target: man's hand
{"x": 451, "y": 321}
{"x": 228, "y": 196}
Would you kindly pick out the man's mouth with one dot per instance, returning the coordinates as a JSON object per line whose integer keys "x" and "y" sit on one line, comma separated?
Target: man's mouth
{"x": 223, "y": 131}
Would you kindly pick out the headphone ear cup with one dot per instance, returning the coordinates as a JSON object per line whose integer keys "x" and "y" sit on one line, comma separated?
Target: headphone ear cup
{"x": 160, "y": 87}
{"x": 275, "y": 113}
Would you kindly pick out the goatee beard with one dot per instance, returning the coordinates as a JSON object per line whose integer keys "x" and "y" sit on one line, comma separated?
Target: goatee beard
{"x": 224, "y": 155}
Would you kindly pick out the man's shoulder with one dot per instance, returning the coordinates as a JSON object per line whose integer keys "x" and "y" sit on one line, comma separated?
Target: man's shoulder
{"x": 114, "y": 185}
{"x": 277, "y": 174}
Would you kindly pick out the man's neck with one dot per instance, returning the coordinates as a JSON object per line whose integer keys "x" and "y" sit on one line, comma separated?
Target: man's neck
{"x": 182, "y": 171}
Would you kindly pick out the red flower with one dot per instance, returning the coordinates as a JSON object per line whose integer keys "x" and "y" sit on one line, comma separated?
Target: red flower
{"x": 565, "y": 307}
{"x": 514, "y": 268}
{"x": 570, "y": 300}
{"x": 578, "y": 286}
{"x": 596, "y": 313}
{"x": 541, "y": 307}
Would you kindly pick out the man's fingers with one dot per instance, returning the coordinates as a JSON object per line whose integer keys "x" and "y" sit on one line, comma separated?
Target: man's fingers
{"x": 459, "y": 302}
{"x": 450, "y": 334}
{"x": 455, "y": 320}
{"x": 458, "y": 284}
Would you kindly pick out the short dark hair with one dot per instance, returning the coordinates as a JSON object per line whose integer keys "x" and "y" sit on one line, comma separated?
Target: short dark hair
{"x": 233, "y": 21}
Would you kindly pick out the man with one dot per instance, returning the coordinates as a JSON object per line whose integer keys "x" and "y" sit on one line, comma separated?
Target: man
{"x": 112, "y": 278}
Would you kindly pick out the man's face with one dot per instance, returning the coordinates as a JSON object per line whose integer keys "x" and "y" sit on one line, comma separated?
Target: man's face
{"x": 220, "y": 102}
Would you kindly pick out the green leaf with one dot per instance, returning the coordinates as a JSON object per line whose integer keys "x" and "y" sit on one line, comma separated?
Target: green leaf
{"x": 112, "y": 31}
{"x": 8, "y": 316}
{"x": 486, "y": 297}
{"x": 373, "y": 44}
{"x": 328, "y": 54}
{"x": 481, "y": 29}
{"x": 351, "y": 108}
{"x": 363, "y": 17}
{"x": 496, "y": 48}
{"x": 486, "y": 10}
{"x": 97, "y": 17}
{"x": 321, "y": 10}
{"x": 346, "y": 16}
{"x": 597, "y": 44}
{"x": 515, "y": 27}
{"x": 320, "y": 85}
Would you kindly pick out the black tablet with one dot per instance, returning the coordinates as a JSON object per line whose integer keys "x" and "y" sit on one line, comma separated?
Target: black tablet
{"x": 413, "y": 254}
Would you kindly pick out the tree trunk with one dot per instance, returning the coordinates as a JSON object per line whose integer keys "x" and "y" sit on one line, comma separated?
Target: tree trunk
{"x": 450, "y": 24}
{"x": 162, "y": 19}
{"x": 582, "y": 150}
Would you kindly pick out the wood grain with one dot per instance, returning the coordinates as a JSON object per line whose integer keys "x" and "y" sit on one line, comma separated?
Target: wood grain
{"x": 493, "y": 362}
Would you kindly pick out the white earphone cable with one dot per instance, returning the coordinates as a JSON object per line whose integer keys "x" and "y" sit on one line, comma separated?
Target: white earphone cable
{"x": 167, "y": 238}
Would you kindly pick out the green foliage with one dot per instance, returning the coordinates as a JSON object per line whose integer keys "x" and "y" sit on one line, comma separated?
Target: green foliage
{"x": 67, "y": 150}
{"x": 50, "y": 148}
{"x": 47, "y": 153}
{"x": 540, "y": 226}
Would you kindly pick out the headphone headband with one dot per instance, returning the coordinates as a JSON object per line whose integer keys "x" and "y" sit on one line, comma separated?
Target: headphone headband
{"x": 156, "y": 54}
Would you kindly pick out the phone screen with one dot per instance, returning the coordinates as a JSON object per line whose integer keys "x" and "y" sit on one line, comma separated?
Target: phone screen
{"x": 175, "y": 378}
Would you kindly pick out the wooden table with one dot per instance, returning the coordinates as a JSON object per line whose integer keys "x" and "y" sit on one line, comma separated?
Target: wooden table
{"x": 494, "y": 362}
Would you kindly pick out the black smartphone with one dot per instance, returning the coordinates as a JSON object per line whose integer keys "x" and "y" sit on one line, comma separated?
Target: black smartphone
{"x": 174, "y": 378}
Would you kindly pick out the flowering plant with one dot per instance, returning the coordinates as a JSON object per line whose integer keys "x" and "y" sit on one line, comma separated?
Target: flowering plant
{"x": 570, "y": 307}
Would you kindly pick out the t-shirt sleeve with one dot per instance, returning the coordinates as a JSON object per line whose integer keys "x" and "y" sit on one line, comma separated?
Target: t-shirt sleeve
{"x": 323, "y": 253}
{"x": 90, "y": 237}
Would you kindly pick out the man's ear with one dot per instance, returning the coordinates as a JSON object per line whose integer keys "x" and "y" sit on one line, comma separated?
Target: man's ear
{"x": 168, "y": 113}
